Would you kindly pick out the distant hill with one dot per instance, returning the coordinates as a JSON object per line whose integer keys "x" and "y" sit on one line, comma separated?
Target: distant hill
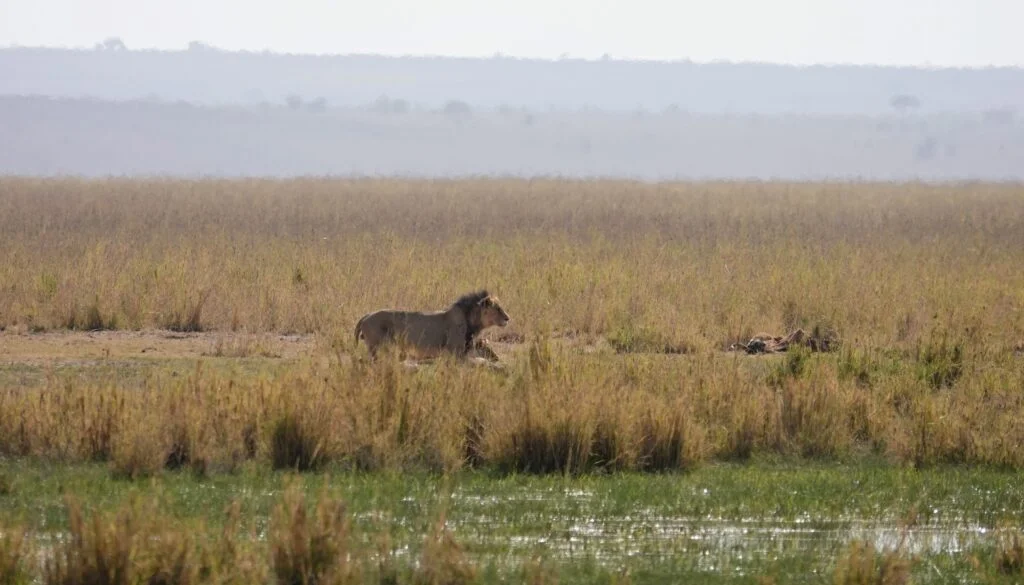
{"x": 205, "y": 75}
{"x": 54, "y": 136}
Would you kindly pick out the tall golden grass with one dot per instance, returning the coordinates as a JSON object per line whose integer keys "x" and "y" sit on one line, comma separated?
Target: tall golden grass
{"x": 553, "y": 409}
{"x": 922, "y": 284}
{"x": 697, "y": 265}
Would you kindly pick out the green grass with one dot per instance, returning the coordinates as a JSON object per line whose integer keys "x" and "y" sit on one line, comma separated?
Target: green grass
{"x": 763, "y": 488}
{"x": 722, "y": 521}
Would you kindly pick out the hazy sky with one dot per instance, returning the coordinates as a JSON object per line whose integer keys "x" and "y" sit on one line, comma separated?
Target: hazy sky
{"x": 916, "y": 32}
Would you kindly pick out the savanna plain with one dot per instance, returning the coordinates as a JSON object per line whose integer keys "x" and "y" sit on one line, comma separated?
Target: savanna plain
{"x": 182, "y": 399}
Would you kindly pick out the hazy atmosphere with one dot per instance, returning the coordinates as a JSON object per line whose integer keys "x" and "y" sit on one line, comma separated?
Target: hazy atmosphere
{"x": 794, "y": 90}
{"x": 908, "y": 32}
{"x": 480, "y": 293}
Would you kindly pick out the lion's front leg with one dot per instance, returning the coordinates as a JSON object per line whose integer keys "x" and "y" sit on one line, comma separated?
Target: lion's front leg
{"x": 456, "y": 341}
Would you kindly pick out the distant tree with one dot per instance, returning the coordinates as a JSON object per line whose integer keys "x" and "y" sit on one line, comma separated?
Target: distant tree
{"x": 318, "y": 105}
{"x": 294, "y": 101}
{"x": 399, "y": 106}
{"x": 254, "y": 95}
{"x": 381, "y": 105}
{"x": 385, "y": 105}
{"x": 457, "y": 108}
{"x": 506, "y": 110}
{"x": 999, "y": 116}
{"x": 111, "y": 44}
{"x": 926, "y": 149}
{"x": 904, "y": 102}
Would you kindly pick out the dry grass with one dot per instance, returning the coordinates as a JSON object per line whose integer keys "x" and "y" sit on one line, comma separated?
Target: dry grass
{"x": 443, "y": 561}
{"x": 1009, "y": 554}
{"x": 138, "y": 543}
{"x": 311, "y": 548}
{"x": 862, "y": 565}
{"x": 99, "y": 550}
{"x": 681, "y": 266}
{"x": 242, "y": 345}
{"x": 921, "y": 283}
{"x": 553, "y": 409}
{"x": 15, "y": 555}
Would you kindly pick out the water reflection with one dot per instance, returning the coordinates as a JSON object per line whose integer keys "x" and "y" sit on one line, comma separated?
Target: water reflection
{"x": 572, "y": 533}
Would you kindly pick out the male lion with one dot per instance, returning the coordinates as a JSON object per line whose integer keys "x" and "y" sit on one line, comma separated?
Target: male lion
{"x": 425, "y": 335}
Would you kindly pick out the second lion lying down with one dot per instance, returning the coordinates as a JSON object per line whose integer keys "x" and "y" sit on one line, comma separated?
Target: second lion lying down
{"x": 426, "y": 335}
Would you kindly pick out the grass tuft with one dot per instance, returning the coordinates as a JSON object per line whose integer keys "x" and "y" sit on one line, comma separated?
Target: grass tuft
{"x": 294, "y": 444}
{"x": 1010, "y": 553}
{"x": 862, "y": 565}
{"x": 443, "y": 562}
{"x": 98, "y": 550}
{"x": 631, "y": 338}
{"x": 940, "y": 362}
{"x": 311, "y": 548}
{"x": 15, "y": 554}
{"x": 187, "y": 317}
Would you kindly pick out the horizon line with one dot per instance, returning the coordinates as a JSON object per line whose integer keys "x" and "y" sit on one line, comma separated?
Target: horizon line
{"x": 500, "y": 55}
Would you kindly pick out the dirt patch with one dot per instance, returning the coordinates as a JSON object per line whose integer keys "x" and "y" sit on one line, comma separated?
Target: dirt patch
{"x": 86, "y": 348}
{"x": 79, "y": 346}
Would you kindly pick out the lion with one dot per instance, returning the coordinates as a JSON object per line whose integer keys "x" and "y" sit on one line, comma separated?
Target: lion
{"x": 427, "y": 335}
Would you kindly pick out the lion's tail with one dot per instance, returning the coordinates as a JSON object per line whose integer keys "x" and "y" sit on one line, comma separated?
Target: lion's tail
{"x": 359, "y": 329}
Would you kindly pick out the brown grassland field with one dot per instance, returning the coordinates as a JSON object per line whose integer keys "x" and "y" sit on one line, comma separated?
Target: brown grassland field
{"x": 922, "y": 284}
{"x": 624, "y": 298}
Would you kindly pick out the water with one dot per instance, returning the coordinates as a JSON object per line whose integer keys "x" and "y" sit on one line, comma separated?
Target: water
{"x": 522, "y": 528}
{"x": 573, "y": 526}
